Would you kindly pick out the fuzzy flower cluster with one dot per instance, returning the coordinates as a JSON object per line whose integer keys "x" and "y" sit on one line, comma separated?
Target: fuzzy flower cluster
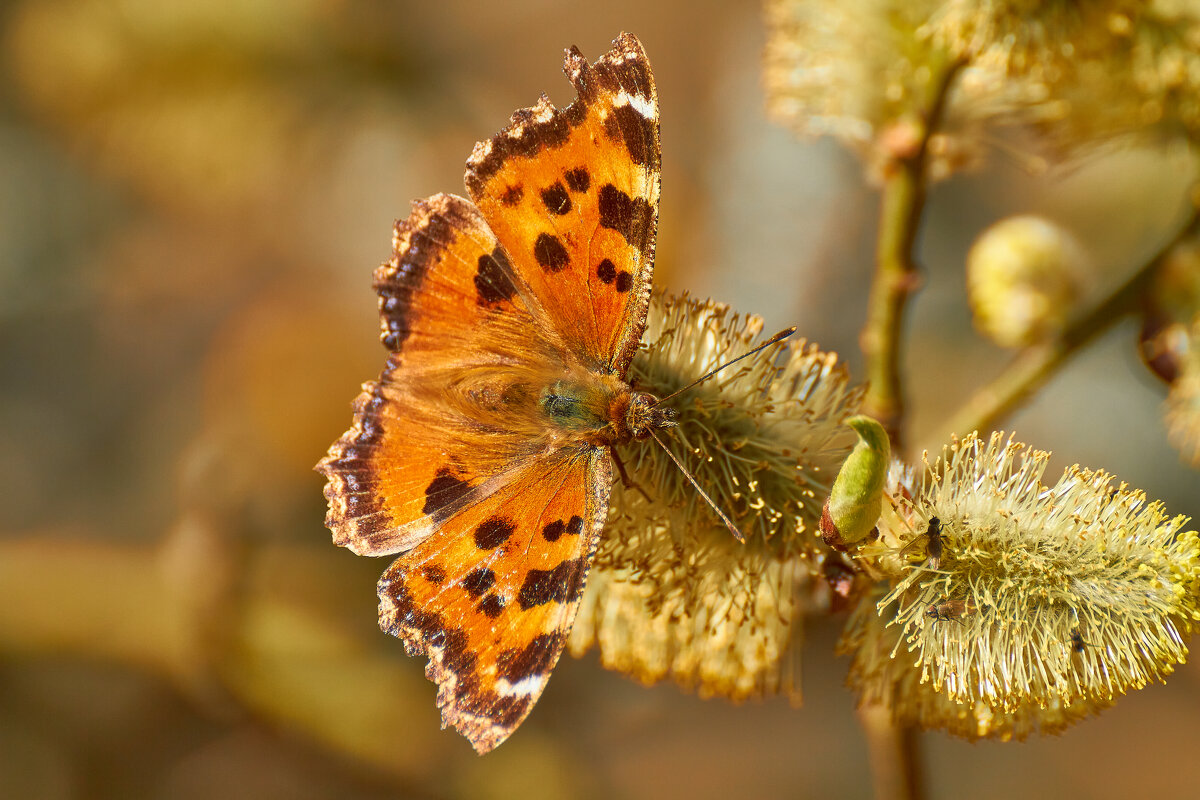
{"x": 1025, "y": 276}
{"x": 885, "y": 680}
{"x": 853, "y": 70}
{"x": 1057, "y": 77}
{"x": 672, "y": 593}
{"x": 1038, "y": 38}
{"x": 764, "y": 438}
{"x": 736, "y": 633}
{"x": 1085, "y": 72}
{"x": 1045, "y": 601}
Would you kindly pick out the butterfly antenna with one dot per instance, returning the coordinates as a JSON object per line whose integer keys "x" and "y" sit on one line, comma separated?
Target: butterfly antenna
{"x": 783, "y": 334}
{"x": 728, "y": 523}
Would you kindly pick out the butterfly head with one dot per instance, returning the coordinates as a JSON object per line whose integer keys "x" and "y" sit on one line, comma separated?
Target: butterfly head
{"x": 644, "y": 415}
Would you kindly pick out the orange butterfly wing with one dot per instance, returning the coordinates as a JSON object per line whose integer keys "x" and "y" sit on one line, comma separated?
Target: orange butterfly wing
{"x": 491, "y": 598}
{"x": 573, "y": 193}
{"x": 450, "y": 310}
{"x": 452, "y": 460}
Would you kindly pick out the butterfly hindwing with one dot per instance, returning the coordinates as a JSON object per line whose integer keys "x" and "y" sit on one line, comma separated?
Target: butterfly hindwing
{"x": 491, "y": 598}
{"x": 572, "y": 194}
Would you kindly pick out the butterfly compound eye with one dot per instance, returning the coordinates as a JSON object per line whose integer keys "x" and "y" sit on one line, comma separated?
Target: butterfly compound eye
{"x": 643, "y": 416}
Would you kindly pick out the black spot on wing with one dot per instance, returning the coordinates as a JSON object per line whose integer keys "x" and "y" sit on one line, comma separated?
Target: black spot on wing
{"x": 535, "y": 658}
{"x": 493, "y": 532}
{"x": 478, "y": 582}
{"x": 554, "y": 530}
{"x": 630, "y": 217}
{"x": 443, "y": 491}
{"x": 492, "y": 281}
{"x": 561, "y": 584}
{"x": 434, "y": 574}
{"x": 634, "y": 76}
{"x": 624, "y": 124}
{"x": 578, "y": 179}
{"x": 556, "y": 199}
{"x": 606, "y": 271}
{"x": 512, "y": 195}
{"x": 491, "y": 606}
{"x": 550, "y": 253}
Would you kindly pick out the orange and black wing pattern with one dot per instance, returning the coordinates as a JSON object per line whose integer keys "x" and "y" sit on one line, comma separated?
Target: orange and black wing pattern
{"x": 452, "y": 461}
{"x": 572, "y": 194}
{"x": 491, "y": 598}
{"x": 450, "y": 309}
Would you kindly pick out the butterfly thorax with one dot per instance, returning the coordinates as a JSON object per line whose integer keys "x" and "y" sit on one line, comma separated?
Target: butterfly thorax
{"x": 601, "y": 410}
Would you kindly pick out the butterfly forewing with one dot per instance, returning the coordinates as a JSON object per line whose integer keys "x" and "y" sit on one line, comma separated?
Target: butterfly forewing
{"x": 423, "y": 446}
{"x": 572, "y": 194}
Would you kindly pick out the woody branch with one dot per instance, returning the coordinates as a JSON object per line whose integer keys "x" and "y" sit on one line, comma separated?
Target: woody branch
{"x": 896, "y": 271}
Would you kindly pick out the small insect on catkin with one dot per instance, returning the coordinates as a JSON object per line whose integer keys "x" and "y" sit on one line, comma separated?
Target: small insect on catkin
{"x": 904, "y": 688}
{"x": 932, "y": 539}
{"x": 1077, "y": 642}
{"x": 947, "y": 610}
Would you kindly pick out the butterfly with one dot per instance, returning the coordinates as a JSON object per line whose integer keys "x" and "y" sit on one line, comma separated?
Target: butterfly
{"x": 483, "y": 455}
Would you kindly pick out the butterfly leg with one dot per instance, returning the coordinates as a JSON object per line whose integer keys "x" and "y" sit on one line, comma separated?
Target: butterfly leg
{"x": 626, "y": 481}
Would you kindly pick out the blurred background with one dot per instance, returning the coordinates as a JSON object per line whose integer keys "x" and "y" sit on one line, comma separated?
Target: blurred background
{"x": 193, "y": 196}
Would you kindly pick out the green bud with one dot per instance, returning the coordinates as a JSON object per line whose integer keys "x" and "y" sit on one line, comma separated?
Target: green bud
{"x": 856, "y": 501}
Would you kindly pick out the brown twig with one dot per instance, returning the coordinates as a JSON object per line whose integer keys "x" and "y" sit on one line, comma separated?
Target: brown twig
{"x": 896, "y": 271}
{"x": 893, "y": 750}
{"x": 895, "y": 768}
